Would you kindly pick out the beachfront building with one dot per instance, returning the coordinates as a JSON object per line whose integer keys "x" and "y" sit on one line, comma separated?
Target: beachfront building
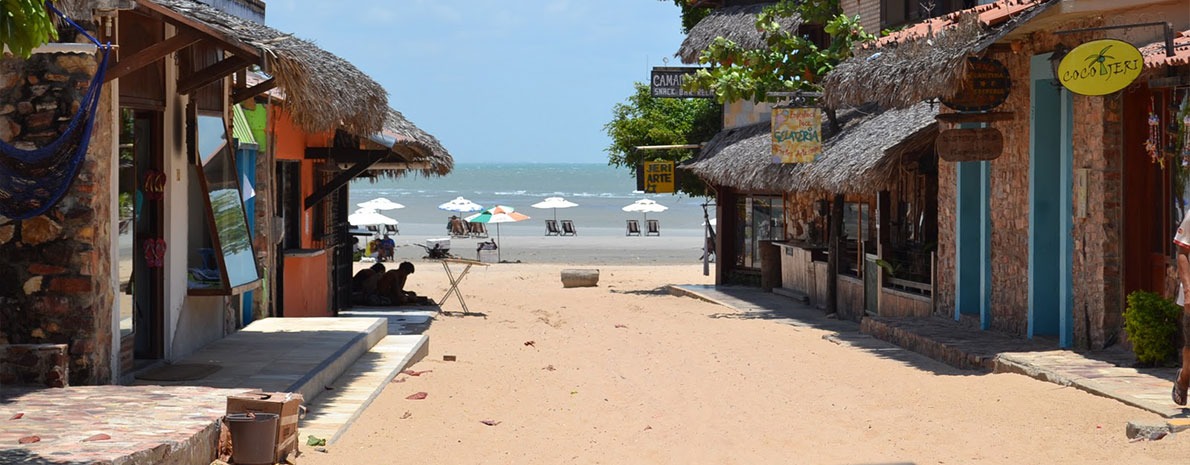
{"x": 875, "y": 178}
{"x": 313, "y": 266}
{"x": 1045, "y": 236}
{"x": 149, "y": 253}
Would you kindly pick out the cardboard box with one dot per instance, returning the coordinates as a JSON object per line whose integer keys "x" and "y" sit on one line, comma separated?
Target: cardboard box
{"x": 284, "y": 404}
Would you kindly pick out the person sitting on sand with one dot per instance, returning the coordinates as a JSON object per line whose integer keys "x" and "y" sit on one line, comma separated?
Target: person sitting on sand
{"x": 364, "y": 283}
{"x": 392, "y": 286}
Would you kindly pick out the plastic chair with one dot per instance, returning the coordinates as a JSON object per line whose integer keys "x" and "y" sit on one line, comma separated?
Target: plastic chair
{"x": 568, "y": 228}
{"x": 654, "y": 228}
{"x": 633, "y": 228}
{"x": 551, "y": 228}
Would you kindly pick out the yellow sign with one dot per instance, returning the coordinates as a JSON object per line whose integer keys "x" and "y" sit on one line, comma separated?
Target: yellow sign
{"x": 1100, "y": 67}
{"x": 659, "y": 177}
{"x": 797, "y": 135}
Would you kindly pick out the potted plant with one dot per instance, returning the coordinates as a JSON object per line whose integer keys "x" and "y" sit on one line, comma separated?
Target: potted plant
{"x": 1151, "y": 322}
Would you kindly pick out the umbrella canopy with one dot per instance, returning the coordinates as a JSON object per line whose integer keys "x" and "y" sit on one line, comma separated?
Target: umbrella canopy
{"x": 459, "y": 204}
{"x": 497, "y": 214}
{"x": 554, "y": 203}
{"x": 380, "y": 203}
{"x": 645, "y": 206}
{"x": 368, "y": 217}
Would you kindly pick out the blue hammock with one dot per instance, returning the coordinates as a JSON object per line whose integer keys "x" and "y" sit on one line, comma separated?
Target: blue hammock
{"x": 33, "y": 181}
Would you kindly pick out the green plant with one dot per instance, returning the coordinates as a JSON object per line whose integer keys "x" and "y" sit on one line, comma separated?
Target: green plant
{"x": 1152, "y": 324}
{"x": 888, "y": 267}
{"x": 24, "y": 26}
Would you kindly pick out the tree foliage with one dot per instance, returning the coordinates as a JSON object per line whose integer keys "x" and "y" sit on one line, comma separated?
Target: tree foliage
{"x": 690, "y": 15}
{"x": 645, "y": 120}
{"x": 789, "y": 62}
{"x": 24, "y": 26}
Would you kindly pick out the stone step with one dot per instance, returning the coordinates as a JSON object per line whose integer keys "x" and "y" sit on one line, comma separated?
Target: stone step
{"x": 313, "y": 384}
{"x": 333, "y": 412}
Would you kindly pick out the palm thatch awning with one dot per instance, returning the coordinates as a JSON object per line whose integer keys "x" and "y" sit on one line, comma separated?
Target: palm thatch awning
{"x": 735, "y": 23}
{"x": 927, "y": 60}
{"x": 415, "y": 146}
{"x": 322, "y": 90}
{"x": 862, "y": 157}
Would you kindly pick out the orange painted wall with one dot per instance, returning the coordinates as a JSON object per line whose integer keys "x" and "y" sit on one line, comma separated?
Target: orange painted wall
{"x": 306, "y": 289}
{"x": 291, "y": 143}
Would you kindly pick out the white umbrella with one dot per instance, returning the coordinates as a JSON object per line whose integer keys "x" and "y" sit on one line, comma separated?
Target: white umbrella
{"x": 460, "y": 204}
{"x": 380, "y": 203}
{"x": 497, "y": 214}
{"x": 368, "y": 217}
{"x": 645, "y": 206}
{"x": 555, "y": 203}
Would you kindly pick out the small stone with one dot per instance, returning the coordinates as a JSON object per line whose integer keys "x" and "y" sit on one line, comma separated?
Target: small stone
{"x": 1147, "y": 430}
{"x": 33, "y": 285}
{"x": 6, "y": 233}
{"x": 320, "y": 449}
{"x": 56, "y": 77}
{"x": 39, "y": 230}
{"x": 449, "y": 358}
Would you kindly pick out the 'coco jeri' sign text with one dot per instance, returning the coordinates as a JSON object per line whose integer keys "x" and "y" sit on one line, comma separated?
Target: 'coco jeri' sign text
{"x": 1100, "y": 67}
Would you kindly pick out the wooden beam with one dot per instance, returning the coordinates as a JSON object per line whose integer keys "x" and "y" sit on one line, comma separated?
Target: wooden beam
{"x": 149, "y": 55}
{"x": 346, "y": 154}
{"x": 338, "y": 182}
{"x": 229, "y": 43}
{"x": 240, "y": 95}
{"x": 955, "y": 118}
{"x": 210, "y": 74}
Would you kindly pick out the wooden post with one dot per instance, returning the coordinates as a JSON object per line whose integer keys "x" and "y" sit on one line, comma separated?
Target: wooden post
{"x": 833, "y": 250}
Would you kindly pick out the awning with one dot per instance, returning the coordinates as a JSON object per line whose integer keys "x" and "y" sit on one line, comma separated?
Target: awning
{"x": 862, "y": 157}
{"x": 240, "y": 130}
{"x": 735, "y": 23}
{"x": 322, "y": 90}
{"x": 416, "y": 149}
{"x": 927, "y": 59}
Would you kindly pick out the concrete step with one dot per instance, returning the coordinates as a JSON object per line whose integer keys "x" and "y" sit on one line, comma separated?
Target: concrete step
{"x": 313, "y": 385}
{"x": 334, "y": 411}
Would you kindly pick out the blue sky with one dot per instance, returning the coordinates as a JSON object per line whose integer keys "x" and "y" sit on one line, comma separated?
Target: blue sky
{"x": 498, "y": 81}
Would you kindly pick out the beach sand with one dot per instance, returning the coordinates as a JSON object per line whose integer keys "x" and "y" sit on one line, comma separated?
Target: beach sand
{"x": 624, "y": 373}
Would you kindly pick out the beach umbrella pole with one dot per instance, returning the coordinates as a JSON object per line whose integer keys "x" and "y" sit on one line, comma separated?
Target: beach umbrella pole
{"x": 498, "y": 247}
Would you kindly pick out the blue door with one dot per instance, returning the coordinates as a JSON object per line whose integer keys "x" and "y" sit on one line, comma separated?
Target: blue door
{"x": 973, "y": 282}
{"x": 1050, "y": 241}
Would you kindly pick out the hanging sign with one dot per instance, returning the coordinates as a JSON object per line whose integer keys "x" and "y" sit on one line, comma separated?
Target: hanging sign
{"x": 985, "y": 86}
{"x": 666, "y": 82}
{"x": 1100, "y": 67}
{"x": 969, "y": 144}
{"x": 797, "y": 134}
{"x": 659, "y": 177}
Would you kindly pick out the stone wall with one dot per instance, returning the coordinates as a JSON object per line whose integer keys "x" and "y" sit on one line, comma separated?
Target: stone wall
{"x": 55, "y": 275}
{"x": 34, "y": 365}
{"x": 1098, "y": 260}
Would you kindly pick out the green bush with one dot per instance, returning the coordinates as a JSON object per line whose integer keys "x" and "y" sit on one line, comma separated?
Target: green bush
{"x": 1152, "y": 325}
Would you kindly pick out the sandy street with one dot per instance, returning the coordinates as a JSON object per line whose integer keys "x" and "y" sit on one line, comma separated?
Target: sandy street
{"x": 623, "y": 374}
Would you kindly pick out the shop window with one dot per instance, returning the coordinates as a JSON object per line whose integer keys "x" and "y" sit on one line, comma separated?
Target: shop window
{"x": 759, "y": 218}
{"x": 221, "y": 257}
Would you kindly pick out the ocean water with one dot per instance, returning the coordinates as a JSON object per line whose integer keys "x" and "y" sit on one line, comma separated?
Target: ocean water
{"x": 601, "y": 191}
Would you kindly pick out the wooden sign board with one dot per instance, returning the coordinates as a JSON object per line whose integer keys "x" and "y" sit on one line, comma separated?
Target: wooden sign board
{"x": 659, "y": 177}
{"x": 796, "y": 134}
{"x": 666, "y": 82}
{"x": 970, "y": 144}
{"x": 985, "y": 86}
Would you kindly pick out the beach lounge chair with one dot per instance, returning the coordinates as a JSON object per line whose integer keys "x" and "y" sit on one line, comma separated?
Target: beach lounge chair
{"x": 633, "y": 228}
{"x": 654, "y": 228}
{"x": 478, "y": 230}
{"x": 568, "y": 228}
{"x": 458, "y": 228}
{"x": 551, "y": 228}
{"x": 391, "y": 229}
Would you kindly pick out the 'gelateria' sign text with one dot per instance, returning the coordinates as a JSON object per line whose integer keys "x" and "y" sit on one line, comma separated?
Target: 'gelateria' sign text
{"x": 797, "y": 135}
{"x": 1100, "y": 67}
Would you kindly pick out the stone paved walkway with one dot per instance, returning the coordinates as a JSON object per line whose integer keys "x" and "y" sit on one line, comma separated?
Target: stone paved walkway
{"x": 1108, "y": 373}
{"x": 111, "y": 424}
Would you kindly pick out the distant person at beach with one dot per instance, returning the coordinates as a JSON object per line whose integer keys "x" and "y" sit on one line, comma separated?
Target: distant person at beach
{"x": 457, "y": 226}
{"x": 392, "y": 286}
{"x": 386, "y": 248}
{"x": 1181, "y": 242}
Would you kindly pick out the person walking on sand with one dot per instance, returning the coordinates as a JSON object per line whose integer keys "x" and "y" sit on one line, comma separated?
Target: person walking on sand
{"x": 1182, "y": 242}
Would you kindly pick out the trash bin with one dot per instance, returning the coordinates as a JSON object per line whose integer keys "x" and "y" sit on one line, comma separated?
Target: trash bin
{"x": 253, "y": 437}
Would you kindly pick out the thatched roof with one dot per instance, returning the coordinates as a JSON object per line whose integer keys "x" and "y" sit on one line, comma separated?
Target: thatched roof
{"x": 862, "y": 157}
{"x": 927, "y": 60}
{"x": 322, "y": 90}
{"x": 735, "y": 23}
{"x": 414, "y": 145}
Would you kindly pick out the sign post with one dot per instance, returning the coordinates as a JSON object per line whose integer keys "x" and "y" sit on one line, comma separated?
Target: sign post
{"x": 659, "y": 177}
